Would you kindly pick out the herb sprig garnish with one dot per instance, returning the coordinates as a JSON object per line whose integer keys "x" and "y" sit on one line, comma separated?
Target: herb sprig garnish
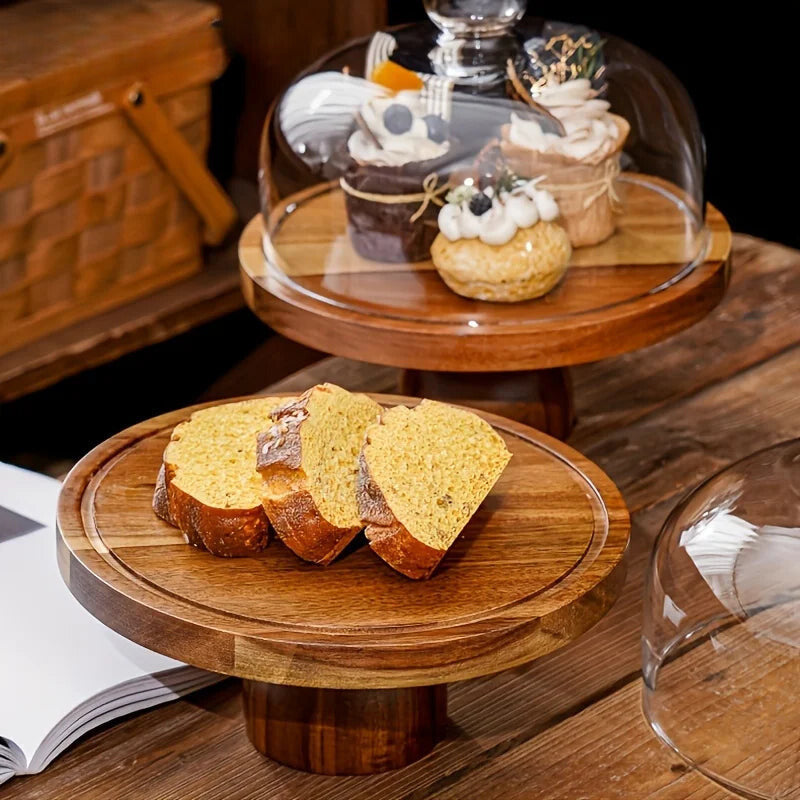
{"x": 506, "y": 181}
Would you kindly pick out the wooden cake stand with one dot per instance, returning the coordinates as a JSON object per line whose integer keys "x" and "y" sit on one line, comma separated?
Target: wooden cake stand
{"x": 346, "y": 667}
{"x": 660, "y": 272}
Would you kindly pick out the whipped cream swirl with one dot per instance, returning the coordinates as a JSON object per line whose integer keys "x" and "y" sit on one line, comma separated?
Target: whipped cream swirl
{"x": 591, "y": 133}
{"x": 396, "y": 149}
{"x": 510, "y": 211}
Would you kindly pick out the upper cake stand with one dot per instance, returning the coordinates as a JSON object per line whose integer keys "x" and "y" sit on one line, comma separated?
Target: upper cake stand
{"x": 346, "y": 666}
{"x": 340, "y": 258}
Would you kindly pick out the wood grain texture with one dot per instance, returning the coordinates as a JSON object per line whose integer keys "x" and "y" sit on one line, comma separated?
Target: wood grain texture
{"x": 537, "y": 565}
{"x": 726, "y": 709}
{"x": 181, "y": 162}
{"x": 203, "y": 297}
{"x": 654, "y": 238}
{"x": 539, "y": 398}
{"x": 619, "y": 758}
{"x": 758, "y": 319}
{"x": 265, "y": 35}
{"x": 666, "y": 417}
{"x": 91, "y": 218}
{"x": 344, "y": 731}
{"x": 321, "y": 294}
{"x": 40, "y": 38}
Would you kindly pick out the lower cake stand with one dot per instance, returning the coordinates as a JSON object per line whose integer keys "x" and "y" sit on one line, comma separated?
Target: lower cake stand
{"x": 346, "y": 667}
{"x": 662, "y": 271}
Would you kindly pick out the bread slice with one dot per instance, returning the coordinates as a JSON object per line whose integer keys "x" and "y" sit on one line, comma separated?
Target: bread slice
{"x": 423, "y": 472}
{"x": 208, "y": 486}
{"x": 309, "y": 463}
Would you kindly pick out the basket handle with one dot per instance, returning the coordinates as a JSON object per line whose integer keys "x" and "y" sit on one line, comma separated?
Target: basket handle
{"x": 181, "y": 161}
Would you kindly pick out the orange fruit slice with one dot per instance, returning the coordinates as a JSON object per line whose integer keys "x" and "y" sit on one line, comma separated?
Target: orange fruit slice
{"x": 395, "y": 77}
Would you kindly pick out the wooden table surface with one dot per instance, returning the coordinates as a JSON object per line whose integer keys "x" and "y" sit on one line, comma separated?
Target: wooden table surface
{"x": 569, "y": 726}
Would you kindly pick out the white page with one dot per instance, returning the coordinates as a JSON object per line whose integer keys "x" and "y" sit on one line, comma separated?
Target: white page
{"x": 54, "y": 655}
{"x": 144, "y": 697}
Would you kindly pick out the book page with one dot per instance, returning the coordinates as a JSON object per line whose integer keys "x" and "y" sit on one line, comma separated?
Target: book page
{"x": 54, "y": 655}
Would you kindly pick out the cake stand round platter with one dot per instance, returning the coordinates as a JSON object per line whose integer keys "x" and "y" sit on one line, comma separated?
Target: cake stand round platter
{"x": 656, "y": 276}
{"x": 346, "y": 667}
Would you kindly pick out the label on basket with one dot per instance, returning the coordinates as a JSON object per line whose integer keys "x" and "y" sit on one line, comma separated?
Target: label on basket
{"x": 68, "y": 114}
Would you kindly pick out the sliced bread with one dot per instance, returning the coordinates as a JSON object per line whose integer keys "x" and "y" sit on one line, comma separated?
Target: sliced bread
{"x": 308, "y": 460}
{"x": 423, "y": 472}
{"x": 208, "y": 486}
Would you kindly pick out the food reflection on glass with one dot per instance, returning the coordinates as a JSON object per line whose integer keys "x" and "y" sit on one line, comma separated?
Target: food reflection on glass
{"x": 398, "y": 168}
{"x": 375, "y": 150}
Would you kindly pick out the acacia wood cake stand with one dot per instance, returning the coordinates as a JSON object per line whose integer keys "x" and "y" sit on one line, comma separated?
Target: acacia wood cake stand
{"x": 660, "y": 272}
{"x": 346, "y": 667}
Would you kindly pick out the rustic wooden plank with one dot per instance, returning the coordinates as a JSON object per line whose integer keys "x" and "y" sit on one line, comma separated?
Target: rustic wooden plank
{"x": 604, "y": 752}
{"x": 496, "y": 715}
{"x": 675, "y": 449}
{"x": 490, "y": 716}
{"x": 759, "y": 317}
{"x": 752, "y": 741}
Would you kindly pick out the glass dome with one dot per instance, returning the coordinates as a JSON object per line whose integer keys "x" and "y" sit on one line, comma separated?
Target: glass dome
{"x": 435, "y": 171}
{"x": 721, "y": 638}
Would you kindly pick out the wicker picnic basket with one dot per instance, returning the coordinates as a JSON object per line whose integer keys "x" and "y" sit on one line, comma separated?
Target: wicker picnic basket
{"x": 104, "y": 125}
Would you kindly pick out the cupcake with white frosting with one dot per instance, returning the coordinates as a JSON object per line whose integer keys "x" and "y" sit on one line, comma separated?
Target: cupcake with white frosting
{"x": 397, "y": 178}
{"x": 501, "y": 243}
{"x": 578, "y": 153}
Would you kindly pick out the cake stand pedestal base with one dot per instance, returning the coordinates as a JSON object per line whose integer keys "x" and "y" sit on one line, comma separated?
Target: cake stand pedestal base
{"x": 540, "y": 398}
{"x": 344, "y": 731}
{"x": 360, "y": 710}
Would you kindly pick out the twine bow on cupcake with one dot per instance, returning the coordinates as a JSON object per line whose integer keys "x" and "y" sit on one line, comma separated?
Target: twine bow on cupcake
{"x": 602, "y": 185}
{"x": 431, "y": 193}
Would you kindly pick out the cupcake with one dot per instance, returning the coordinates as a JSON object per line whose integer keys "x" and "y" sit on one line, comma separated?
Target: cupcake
{"x": 580, "y": 164}
{"x": 501, "y": 243}
{"x": 396, "y": 178}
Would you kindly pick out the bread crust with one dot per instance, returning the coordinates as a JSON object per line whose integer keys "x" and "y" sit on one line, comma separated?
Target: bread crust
{"x": 387, "y": 536}
{"x": 224, "y": 532}
{"x": 294, "y": 515}
{"x": 160, "y": 497}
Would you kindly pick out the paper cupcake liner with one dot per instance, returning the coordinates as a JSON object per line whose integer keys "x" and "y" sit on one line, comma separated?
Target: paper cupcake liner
{"x": 585, "y": 192}
{"x": 391, "y": 213}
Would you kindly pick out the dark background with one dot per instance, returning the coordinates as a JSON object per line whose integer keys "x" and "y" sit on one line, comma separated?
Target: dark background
{"x": 740, "y": 70}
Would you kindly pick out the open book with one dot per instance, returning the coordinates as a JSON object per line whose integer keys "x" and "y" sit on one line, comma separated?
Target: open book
{"x": 62, "y": 672}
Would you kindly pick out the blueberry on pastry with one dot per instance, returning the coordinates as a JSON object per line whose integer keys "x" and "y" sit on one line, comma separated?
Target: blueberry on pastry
{"x": 501, "y": 243}
{"x": 399, "y": 164}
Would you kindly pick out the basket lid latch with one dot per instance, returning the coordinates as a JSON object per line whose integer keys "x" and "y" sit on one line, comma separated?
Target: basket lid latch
{"x": 181, "y": 161}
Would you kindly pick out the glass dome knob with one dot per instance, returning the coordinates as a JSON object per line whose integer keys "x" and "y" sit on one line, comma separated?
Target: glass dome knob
{"x": 476, "y": 39}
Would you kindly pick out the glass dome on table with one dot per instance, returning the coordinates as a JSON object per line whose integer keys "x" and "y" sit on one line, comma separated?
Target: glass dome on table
{"x": 721, "y": 637}
{"x": 362, "y": 151}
